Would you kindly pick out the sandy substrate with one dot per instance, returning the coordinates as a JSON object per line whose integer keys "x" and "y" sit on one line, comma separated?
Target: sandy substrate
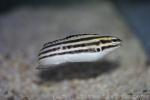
{"x": 122, "y": 75}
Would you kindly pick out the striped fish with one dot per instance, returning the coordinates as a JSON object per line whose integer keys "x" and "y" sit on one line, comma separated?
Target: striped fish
{"x": 77, "y": 48}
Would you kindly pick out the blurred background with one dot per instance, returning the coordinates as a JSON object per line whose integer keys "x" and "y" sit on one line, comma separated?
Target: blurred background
{"x": 26, "y": 24}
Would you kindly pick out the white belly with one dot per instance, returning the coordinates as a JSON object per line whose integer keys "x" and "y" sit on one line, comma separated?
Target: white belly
{"x": 80, "y": 57}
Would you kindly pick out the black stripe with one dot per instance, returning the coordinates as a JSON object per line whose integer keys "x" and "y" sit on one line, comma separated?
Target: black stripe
{"x": 70, "y": 52}
{"x": 50, "y": 50}
{"x": 109, "y": 46}
{"x": 109, "y": 41}
{"x": 77, "y": 40}
{"x": 105, "y": 41}
{"x": 81, "y": 45}
{"x": 68, "y": 37}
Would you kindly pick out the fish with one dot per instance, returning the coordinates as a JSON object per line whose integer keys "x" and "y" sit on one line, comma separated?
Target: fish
{"x": 77, "y": 48}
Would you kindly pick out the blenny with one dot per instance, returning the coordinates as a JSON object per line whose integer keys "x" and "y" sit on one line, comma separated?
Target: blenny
{"x": 77, "y": 48}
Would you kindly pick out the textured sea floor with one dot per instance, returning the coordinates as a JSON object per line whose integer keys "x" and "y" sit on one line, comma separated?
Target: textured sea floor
{"x": 122, "y": 75}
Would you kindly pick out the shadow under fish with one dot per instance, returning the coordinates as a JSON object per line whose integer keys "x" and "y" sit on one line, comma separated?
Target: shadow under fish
{"x": 70, "y": 71}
